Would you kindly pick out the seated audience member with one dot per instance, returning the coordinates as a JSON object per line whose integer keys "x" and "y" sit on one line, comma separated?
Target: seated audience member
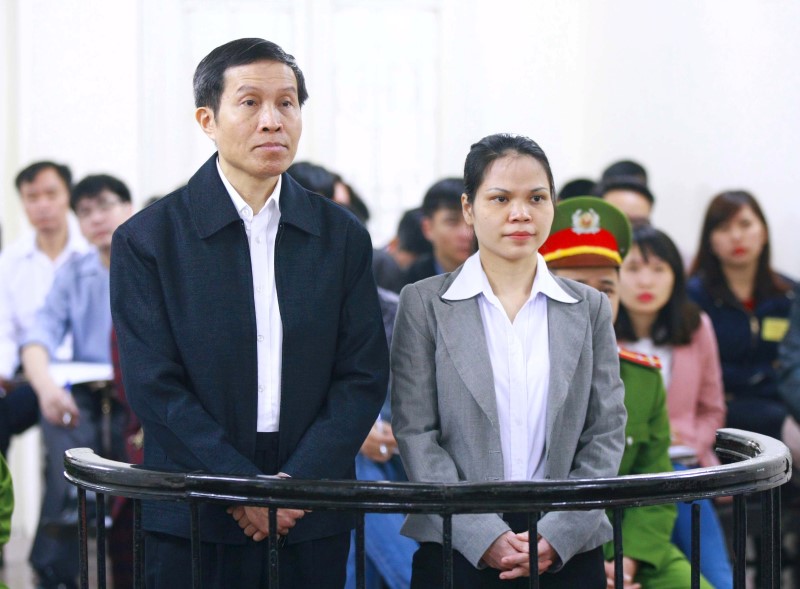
{"x": 27, "y": 267}
{"x": 748, "y": 303}
{"x": 390, "y": 263}
{"x": 789, "y": 355}
{"x": 629, "y": 195}
{"x": 388, "y": 553}
{"x": 588, "y": 241}
{"x": 657, "y": 319}
{"x": 318, "y": 179}
{"x": 625, "y": 168}
{"x": 78, "y": 303}
{"x": 577, "y": 187}
{"x": 444, "y": 226}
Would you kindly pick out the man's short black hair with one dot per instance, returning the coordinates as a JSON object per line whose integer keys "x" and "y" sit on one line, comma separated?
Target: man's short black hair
{"x": 29, "y": 174}
{"x": 91, "y": 187}
{"x": 313, "y": 177}
{"x": 577, "y": 187}
{"x": 444, "y": 194}
{"x": 209, "y": 77}
{"x": 625, "y": 168}
{"x": 409, "y": 234}
{"x": 631, "y": 183}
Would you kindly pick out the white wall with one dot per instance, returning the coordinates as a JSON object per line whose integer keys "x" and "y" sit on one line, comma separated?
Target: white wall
{"x": 704, "y": 93}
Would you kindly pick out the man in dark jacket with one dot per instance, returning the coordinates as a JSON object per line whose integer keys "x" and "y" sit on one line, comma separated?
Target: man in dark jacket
{"x": 249, "y": 330}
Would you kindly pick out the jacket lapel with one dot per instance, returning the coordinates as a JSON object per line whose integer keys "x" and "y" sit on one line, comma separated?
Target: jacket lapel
{"x": 462, "y": 331}
{"x": 567, "y": 329}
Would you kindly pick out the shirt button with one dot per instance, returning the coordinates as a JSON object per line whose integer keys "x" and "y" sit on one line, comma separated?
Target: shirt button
{"x": 248, "y": 213}
{"x": 259, "y": 289}
{"x": 258, "y": 240}
{"x": 260, "y": 389}
{"x": 261, "y": 338}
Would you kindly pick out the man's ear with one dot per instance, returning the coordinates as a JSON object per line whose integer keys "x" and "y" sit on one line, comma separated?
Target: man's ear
{"x": 205, "y": 118}
{"x": 425, "y": 225}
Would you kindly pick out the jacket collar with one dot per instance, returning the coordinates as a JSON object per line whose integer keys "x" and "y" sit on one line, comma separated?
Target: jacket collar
{"x": 212, "y": 208}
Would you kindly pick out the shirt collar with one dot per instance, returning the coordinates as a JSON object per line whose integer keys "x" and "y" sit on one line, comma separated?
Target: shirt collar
{"x": 239, "y": 202}
{"x": 472, "y": 281}
{"x": 76, "y": 243}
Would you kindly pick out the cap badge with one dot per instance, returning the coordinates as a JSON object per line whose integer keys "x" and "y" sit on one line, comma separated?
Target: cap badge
{"x": 585, "y": 222}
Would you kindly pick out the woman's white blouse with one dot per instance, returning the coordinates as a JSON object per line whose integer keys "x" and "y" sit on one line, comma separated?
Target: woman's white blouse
{"x": 520, "y": 356}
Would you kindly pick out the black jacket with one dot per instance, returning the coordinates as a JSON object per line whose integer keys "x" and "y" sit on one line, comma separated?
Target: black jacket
{"x": 182, "y": 305}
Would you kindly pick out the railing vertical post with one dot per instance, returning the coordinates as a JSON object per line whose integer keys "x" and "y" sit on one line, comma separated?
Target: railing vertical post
{"x": 695, "y": 545}
{"x": 770, "y": 550}
{"x": 361, "y": 573}
{"x": 138, "y": 546}
{"x": 274, "y": 542}
{"x": 83, "y": 537}
{"x": 533, "y": 550}
{"x": 100, "y": 512}
{"x": 739, "y": 541}
{"x": 197, "y": 568}
{"x": 447, "y": 550}
{"x": 618, "y": 572}
{"x": 777, "y": 539}
{"x": 771, "y": 538}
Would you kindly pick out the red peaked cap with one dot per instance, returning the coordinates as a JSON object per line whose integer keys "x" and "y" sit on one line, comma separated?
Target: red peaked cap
{"x": 587, "y": 232}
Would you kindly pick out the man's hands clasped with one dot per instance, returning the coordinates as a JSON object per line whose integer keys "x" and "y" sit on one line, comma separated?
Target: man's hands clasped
{"x": 254, "y": 521}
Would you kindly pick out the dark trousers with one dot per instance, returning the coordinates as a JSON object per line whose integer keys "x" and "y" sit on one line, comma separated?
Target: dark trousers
{"x": 317, "y": 563}
{"x": 19, "y": 410}
{"x": 54, "y": 554}
{"x": 584, "y": 570}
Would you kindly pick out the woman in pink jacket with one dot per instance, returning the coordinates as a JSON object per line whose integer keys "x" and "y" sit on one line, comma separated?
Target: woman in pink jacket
{"x": 656, "y": 318}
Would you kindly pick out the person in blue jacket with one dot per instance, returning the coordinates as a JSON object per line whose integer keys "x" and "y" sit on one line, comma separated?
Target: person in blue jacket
{"x": 748, "y": 303}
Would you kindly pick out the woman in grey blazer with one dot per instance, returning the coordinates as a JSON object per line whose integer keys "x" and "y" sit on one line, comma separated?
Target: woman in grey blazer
{"x": 502, "y": 371}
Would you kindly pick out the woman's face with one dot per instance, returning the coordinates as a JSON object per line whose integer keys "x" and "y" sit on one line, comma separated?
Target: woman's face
{"x": 513, "y": 208}
{"x": 739, "y": 240}
{"x": 645, "y": 286}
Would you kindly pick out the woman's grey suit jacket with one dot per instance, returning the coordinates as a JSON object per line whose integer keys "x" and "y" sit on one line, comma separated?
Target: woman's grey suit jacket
{"x": 444, "y": 412}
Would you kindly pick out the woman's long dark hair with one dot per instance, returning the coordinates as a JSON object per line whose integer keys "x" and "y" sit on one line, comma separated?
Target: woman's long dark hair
{"x": 707, "y": 266}
{"x": 679, "y": 318}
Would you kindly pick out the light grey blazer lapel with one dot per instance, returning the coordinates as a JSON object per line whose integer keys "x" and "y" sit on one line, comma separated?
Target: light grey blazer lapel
{"x": 461, "y": 328}
{"x": 567, "y": 327}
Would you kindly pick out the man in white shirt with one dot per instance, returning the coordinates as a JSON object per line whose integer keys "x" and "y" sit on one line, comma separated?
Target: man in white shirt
{"x": 27, "y": 268}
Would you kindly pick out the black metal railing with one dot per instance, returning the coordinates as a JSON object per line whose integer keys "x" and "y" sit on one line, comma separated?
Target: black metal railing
{"x": 754, "y": 466}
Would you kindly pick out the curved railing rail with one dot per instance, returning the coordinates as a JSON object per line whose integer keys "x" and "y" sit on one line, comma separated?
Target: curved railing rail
{"x": 753, "y": 464}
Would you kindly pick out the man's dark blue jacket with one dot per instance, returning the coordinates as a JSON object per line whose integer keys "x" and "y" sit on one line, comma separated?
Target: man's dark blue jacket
{"x": 182, "y": 305}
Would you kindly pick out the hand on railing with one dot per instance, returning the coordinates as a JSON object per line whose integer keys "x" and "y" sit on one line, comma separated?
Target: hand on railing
{"x": 254, "y": 521}
{"x": 629, "y": 568}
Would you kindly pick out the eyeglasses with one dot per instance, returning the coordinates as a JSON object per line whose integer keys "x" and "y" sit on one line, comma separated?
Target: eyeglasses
{"x": 85, "y": 209}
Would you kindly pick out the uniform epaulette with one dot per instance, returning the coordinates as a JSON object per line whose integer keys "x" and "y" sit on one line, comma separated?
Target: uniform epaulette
{"x": 640, "y": 359}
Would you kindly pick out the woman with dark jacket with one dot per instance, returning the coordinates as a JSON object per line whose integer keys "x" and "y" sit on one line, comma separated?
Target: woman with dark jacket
{"x": 748, "y": 303}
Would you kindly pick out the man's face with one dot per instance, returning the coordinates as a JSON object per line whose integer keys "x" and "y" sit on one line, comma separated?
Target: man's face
{"x": 635, "y": 206}
{"x": 606, "y": 280}
{"x": 46, "y": 201}
{"x": 258, "y": 124}
{"x": 450, "y": 235}
{"x": 100, "y": 216}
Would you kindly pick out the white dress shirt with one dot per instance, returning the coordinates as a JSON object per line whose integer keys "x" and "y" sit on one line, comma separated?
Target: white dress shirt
{"x": 26, "y": 275}
{"x": 262, "y": 229}
{"x": 520, "y": 356}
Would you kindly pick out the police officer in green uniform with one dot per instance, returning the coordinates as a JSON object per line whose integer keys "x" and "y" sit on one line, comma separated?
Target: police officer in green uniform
{"x": 588, "y": 240}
